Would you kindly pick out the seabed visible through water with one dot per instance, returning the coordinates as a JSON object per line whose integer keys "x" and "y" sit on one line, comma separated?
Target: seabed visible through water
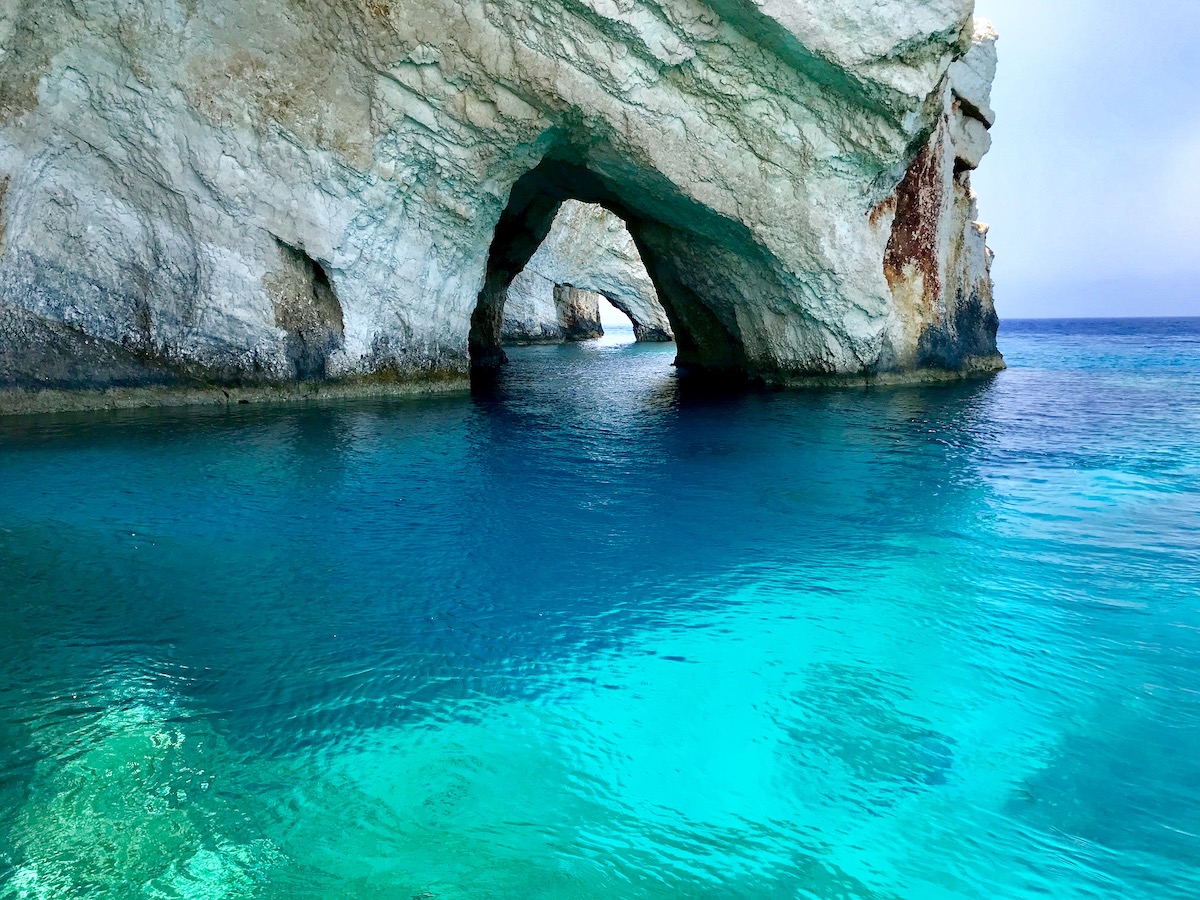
{"x": 593, "y": 634}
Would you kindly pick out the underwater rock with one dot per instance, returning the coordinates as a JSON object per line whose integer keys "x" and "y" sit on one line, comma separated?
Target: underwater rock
{"x": 227, "y": 193}
{"x": 934, "y": 758}
{"x": 132, "y": 810}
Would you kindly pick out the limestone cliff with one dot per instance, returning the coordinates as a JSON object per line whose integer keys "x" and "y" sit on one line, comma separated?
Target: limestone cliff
{"x": 540, "y": 311}
{"x": 221, "y": 192}
{"x": 588, "y": 249}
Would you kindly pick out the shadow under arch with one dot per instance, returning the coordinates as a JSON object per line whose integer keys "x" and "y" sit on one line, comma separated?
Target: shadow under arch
{"x": 705, "y": 267}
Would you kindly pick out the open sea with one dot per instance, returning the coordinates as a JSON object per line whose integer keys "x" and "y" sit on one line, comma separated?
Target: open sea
{"x": 592, "y": 634}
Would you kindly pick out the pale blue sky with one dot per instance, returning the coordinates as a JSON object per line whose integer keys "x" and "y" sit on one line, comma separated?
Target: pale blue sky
{"x": 611, "y": 317}
{"x": 1092, "y": 187}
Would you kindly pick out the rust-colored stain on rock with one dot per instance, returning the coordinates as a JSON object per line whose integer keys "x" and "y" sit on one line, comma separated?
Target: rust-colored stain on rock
{"x": 914, "y": 238}
{"x": 882, "y": 209}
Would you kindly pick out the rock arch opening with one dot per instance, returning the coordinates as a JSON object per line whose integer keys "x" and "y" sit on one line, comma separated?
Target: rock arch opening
{"x": 687, "y": 252}
{"x": 612, "y": 316}
{"x": 588, "y": 260}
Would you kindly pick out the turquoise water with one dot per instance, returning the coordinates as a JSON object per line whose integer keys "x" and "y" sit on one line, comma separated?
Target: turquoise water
{"x": 594, "y": 634}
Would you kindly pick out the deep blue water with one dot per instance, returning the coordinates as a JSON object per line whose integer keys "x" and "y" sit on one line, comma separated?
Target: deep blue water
{"x": 594, "y": 634}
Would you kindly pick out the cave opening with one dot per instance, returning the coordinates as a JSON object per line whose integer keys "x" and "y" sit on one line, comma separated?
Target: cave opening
{"x": 612, "y": 317}
{"x": 588, "y": 268}
{"x": 681, "y": 247}
{"x": 306, "y": 306}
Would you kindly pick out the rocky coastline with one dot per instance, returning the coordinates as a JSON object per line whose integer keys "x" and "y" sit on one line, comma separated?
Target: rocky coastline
{"x": 209, "y": 197}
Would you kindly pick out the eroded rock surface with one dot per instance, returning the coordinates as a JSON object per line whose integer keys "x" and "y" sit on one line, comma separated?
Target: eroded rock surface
{"x": 539, "y": 311}
{"x": 590, "y": 249}
{"x": 214, "y": 191}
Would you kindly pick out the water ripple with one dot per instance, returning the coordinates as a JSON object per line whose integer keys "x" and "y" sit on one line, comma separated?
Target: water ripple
{"x": 595, "y": 633}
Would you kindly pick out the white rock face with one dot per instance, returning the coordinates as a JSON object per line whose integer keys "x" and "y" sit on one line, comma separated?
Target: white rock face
{"x": 971, "y": 97}
{"x": 214, "y": 191}
{"x": 539, "y": 311}
{"x": 590, "y": 249}
{"x": 531, "y": 313}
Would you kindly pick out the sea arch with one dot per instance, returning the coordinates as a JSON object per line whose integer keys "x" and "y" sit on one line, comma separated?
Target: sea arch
{"x": 692, "y": 254}
{"x": 588, "y": 256}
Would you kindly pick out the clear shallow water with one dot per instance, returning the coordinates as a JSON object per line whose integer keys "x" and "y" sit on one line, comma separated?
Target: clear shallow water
{"x": 594, "y": 635}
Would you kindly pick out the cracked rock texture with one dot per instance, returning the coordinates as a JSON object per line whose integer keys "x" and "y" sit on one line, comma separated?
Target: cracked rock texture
{"x": 539, "y": 311}
{"x": 220, "y": 192}
{"x": 588, "y": 248}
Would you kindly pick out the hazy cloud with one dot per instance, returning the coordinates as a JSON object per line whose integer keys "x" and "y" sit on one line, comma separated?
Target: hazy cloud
{"x": 1093, "y": 186}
